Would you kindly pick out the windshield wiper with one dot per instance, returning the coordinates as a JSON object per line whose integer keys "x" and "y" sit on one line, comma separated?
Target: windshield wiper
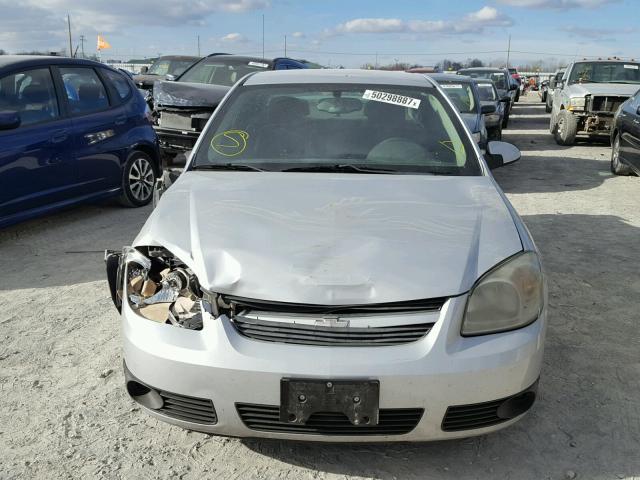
{"x": 227, "y": 166}
{"x": 341, "y": 168}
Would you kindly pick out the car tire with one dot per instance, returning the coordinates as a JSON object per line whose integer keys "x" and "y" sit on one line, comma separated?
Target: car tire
{"x": 494, "y": 133}
{"x": 517, "y": 95}
{"x": 543, "y": 97}
{"x": 547, "y": 105}
{"x": 566, "y": 128}
{"x": 505, "y": 118}
{"x": 617, "y": 167}
{"x": 138, "y": 179}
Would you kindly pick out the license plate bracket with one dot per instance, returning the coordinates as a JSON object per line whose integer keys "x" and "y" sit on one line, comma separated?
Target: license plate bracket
{"x": 358, "y": 400}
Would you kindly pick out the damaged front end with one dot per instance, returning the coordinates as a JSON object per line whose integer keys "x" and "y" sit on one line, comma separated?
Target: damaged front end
{"x": 157, "y": 286}
{"x": 181, "y": 111}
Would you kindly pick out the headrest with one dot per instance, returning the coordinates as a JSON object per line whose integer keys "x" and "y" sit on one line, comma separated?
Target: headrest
{"x": 35, "y": 94}
{"x": 88, "y": 92}
{"x": 283, "y": 108}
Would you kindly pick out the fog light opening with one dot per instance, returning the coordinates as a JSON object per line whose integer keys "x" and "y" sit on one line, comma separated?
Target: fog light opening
{"x": 145, "y": 396}
{"x": 516, "y": 406}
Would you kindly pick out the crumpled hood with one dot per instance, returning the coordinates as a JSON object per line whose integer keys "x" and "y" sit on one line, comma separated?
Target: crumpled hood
{"x": 614, "y": 89}
{"x": 471, "y": 121}
{"x": 183, "y": 94}
{"x": 320, "y": 238}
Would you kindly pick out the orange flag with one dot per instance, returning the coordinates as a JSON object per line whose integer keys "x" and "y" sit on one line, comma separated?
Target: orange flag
{"x": 102, "y": 43}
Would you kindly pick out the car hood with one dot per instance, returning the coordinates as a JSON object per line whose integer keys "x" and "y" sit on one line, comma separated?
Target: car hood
{"x": 471, "y": 121}
{"x": 618, "y": 89}
{"x": 322, "y": 238}
{"x": 183, "y": 94}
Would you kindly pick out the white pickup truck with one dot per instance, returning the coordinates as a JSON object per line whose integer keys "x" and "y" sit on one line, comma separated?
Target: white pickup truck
{"x": 588, "y": 96}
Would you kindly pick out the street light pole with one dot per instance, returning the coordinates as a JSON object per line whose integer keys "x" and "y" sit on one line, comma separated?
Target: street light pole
{"x": 69, "y": 27}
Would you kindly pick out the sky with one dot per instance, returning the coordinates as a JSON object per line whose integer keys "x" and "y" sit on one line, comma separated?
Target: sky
{"x": 331, "y": 32}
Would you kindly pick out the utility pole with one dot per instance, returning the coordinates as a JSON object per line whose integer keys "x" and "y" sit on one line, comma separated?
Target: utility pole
{"x": 198, "y": 45}
{"x": 508, "y": 50}
{"x": 69, "y": 26}
{"x": 82, "y": 45}
{"x": 285, "y": 45}
{"x": 376, "y": 60}
{"x": 263, "y": 35}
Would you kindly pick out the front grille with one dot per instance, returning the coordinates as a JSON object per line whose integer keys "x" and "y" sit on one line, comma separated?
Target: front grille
{"x": 176, "y": 120}
{"x": 607, "y": 103}
{"x": 266, "y": 418}
{"x": 300, "y": 334}
{"x": 189, "y": 409}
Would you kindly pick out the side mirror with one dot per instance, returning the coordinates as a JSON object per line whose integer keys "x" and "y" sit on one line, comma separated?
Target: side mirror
{"x": 500, "y": 154}
{"x": 170, "y": 78}
{"x": 513, "y": 86}
{"x": 144, "y": 70}
{"x": 506, "y": 99}
{"x": 9, "y": 120}
{"x": 552, "y": 83}
{"x": 638, "y": 111}
{"x": 485, "y": 109}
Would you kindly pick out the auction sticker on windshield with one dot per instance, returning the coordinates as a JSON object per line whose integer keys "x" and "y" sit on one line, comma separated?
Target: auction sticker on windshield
{"x": 450, "y": 85}
{"x": 258, "y": 64}
{"x": 632, "y": 67}
{"x": 392, "y": 98}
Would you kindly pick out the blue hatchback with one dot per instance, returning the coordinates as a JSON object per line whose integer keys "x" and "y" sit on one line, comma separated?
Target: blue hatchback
{"x": 71, "y": 131}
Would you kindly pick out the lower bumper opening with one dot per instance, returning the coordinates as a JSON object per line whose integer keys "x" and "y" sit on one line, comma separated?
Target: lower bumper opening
{"x": 266, "y": 418}
{"x": 486, "y": 414}
{"x": 174, "y": 405}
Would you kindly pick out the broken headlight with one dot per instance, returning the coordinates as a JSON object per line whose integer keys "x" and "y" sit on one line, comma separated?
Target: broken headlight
{"x": 161, "y": 288}
{"x": 508, "y": 297}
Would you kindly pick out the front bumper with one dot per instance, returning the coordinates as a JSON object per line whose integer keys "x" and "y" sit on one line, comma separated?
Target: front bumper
{"x": 440, "y": 370}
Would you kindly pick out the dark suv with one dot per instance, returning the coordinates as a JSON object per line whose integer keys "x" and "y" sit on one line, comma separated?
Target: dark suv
{"x": 183, "y": 107}
{"x": 71, "y": 131}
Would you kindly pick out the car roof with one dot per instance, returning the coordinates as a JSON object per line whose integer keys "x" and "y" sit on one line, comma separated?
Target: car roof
{"x": 483, "y": 69}
{"x": 26, "y": 61}
{"x": 178, "y": 57}
{"x": 237, "y": 58}
{"x": 344, "y": 76}
{"x": 449, "y": 77}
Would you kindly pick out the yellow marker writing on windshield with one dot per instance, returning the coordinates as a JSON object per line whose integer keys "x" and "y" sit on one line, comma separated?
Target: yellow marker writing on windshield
{"x": 230, "y": 142}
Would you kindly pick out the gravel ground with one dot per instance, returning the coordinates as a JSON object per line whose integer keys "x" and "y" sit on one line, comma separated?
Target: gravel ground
{"x": 65, "y": 413}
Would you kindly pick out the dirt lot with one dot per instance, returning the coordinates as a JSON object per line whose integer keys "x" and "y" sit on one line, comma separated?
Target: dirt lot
{"x": 64, "y": 412}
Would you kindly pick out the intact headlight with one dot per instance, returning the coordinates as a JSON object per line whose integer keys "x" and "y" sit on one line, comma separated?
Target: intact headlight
{"x": 508, "y": 297}
{"x": 577, "y": 102}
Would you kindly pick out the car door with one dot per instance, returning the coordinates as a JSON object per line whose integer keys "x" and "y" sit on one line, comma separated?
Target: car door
{"x": 630, "y": 131}
{"x": 97, "y": 118}
{"x": 37, "y": 166}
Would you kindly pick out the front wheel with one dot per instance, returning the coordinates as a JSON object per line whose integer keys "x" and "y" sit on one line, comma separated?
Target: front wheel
{"x": 566, "y": 128}
{"x": 138, "y": 179}
{"x": 617, "y": 167}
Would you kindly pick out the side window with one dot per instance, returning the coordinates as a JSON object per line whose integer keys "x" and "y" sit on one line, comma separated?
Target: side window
{"x": 85, "y": 91}
{"x": 119, "y": 82}
{"x": 31, "y": 94}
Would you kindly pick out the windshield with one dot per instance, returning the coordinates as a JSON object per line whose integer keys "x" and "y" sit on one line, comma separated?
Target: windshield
{"x": 220, "y": 71}
{"x": 393, "y": 129}
{"x": 605, "y": 72}
{"x": 461, "y": 95}
{"x": 169, "y": 67}
{"x": 487, "y": 92}
{"x": 498, "y": 78}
